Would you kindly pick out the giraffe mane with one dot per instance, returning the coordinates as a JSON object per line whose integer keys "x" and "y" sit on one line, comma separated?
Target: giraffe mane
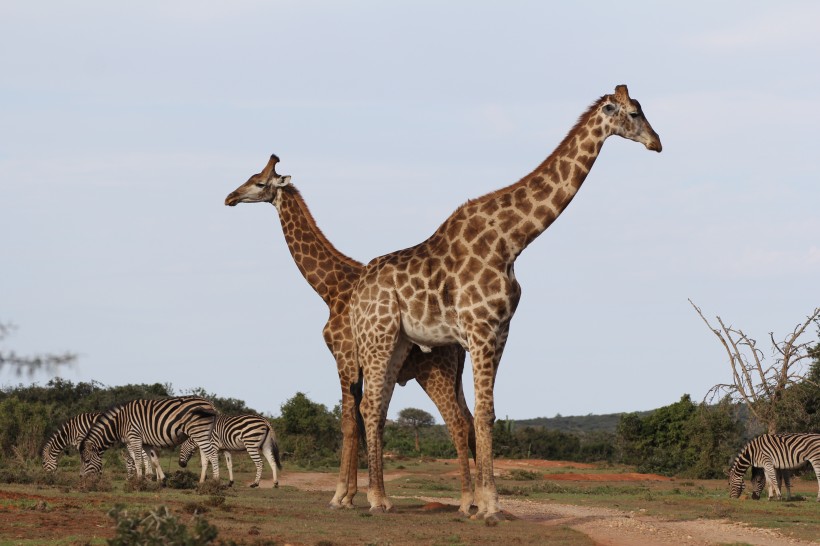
{"x": 293, "y": 191}
{"x": 582, "y": 119}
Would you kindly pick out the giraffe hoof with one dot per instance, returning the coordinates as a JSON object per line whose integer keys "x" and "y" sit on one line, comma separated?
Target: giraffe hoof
{"x": 254, "y": 485}
{"x": 230, "y": 483}
{"x": 493, "y": 519}
{"x": 276, "y": 485}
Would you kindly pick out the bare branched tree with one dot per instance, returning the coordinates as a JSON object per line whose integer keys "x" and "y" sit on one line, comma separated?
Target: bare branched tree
{"x": 30, "y": 364}
{"x": 761, "y": 386}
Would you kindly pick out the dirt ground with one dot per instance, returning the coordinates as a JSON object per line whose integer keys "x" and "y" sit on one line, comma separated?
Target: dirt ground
{"x": 607, "y": 527}
{"x": 75, "y": 516}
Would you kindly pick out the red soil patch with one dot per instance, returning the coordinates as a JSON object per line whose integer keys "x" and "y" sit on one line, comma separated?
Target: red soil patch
{"x": 622, "y": 477}
{"x": 436, "y": 507}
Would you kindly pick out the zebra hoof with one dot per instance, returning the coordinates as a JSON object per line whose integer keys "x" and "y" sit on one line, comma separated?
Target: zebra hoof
{"x": 276, "y": 485}
{"x": 230, "y": 483}
{"x": 254, "y": 485}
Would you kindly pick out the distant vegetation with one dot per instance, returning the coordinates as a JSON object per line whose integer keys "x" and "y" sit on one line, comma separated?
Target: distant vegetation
{"x": 685, "y": 438}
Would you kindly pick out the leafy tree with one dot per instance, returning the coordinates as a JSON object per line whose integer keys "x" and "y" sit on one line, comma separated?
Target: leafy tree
{"x": 307, "y": 431}
{"x": 681, "y": 439}
{"x": 226, "y": 406}
{"x": 415, "y": 419}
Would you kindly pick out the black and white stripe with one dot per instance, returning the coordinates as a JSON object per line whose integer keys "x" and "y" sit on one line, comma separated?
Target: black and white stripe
{"x": 138, "y": 424}
{"x": 759, "y": 481}
{"x": 72, "y": 432}
{"x": 772, "y": 452}
{"x": 237, "y": 433}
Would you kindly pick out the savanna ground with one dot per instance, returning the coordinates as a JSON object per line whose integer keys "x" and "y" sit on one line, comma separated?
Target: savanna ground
{"x": 545, "y": 503}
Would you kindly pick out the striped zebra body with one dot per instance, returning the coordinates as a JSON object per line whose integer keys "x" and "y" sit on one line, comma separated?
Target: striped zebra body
{"x": 239, "y": 433}
{"x": 72, "y": 432}
{"x": 772, "y": 452}
{"x": 165, "y": 422}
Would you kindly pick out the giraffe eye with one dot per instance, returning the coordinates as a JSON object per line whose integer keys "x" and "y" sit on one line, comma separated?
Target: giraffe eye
{"x": 633, "y": 115}
{"x": 260, "y": 184}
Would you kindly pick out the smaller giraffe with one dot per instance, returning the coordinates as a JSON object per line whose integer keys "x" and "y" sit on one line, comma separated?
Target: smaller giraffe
{"x": 459, "y": 285}
{"x": 333, "y": 276}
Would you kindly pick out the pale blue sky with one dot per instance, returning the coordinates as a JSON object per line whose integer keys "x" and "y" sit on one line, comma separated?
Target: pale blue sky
{"x": 124, "y": 128}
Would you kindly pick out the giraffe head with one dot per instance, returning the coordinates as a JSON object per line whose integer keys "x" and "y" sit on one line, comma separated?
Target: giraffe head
{"x": 262, "y": 187}
{"x": 624, "y": 118}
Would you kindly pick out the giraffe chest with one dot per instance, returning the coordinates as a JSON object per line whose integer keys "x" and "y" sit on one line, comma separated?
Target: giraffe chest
{"x": 430, "y": 329}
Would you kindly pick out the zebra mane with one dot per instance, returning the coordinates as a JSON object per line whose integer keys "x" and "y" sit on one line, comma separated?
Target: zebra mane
{"x": 742, "y": 461}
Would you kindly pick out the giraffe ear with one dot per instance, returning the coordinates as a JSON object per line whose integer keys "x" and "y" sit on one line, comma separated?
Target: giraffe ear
{"x": 282, "y": 182}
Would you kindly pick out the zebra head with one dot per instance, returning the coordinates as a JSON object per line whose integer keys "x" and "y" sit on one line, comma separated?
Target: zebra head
{"x": 736, "y": 484}
{"x": 186, "y": 450}
{"x": 50, "y": 457}
{"x": 91, "y": 457}
{"x": 758, "y": 482}
{"x": 738, "y": 470}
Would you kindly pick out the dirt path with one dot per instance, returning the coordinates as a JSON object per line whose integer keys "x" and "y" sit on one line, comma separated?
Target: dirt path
{"x": 607, "y": 527}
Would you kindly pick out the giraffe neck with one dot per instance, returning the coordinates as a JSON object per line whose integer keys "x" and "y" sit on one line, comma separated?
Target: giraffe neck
{"x": 519, "y": 213}
{"x": 328, "y": 271}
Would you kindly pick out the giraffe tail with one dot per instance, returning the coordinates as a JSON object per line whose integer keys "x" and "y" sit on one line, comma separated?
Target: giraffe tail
{"x": 356, "y": 391}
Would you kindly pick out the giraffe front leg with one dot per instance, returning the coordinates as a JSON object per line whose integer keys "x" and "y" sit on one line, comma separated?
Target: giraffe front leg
{"x": 379, "y": 384}
{"x": 485, "y": 357}
{"x": 346, "y": 485}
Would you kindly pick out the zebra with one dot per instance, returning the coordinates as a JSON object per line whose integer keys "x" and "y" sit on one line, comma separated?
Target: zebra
{"x": 72, "y": 432}
{"x": 165, "y": 422}
{"x": 759, "y": 481}
{"x": 775, "y": 451}
{"x": 249, "y": 433}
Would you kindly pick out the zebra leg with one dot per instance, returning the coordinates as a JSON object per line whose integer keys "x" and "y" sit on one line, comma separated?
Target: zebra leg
{"x": 267, "y": 451}
{"x": 257, "y": 461}
{"x": 786, "y": 475}
{"x": 151, "y": 455}
{"x": 135, "y": 449}
{"x": 229, "y": 464}
{"x": 815, "y": 463}
{"x": 203, "y": 460}
{"x": 129, "y": 464}
{"x": 211, "y": 453}
{"x": 771, "y": 477}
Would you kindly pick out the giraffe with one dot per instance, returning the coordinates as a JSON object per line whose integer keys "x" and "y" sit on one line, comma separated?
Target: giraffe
{"x": 459, "y": 286}
{"x": 333, "y": 275}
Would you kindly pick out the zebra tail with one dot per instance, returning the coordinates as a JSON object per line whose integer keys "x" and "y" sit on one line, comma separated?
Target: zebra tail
{"x": 274, "y": 447}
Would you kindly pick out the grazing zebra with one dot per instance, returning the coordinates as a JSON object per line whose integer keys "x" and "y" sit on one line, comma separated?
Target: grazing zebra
{"x": 72, "y": 432}
{"x": 165, "y": 422}
{"x": 759, "y": 481}
{"x": 775, "y": 451}
{"x": 249, "y": 433}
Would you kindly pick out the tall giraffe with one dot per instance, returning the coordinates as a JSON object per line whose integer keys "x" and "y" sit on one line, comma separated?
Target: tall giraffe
{"x": 333, "y": 275}
{"x": 458, "y": 286}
